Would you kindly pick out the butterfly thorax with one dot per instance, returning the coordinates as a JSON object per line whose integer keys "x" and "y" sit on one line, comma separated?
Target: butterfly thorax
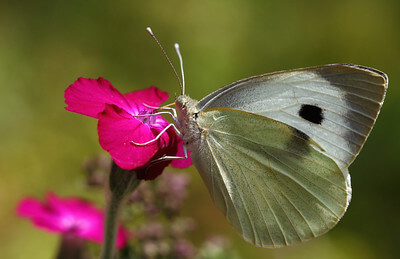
{"x": 187, "y": 115}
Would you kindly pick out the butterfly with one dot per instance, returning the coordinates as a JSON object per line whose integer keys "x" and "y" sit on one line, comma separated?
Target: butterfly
{"x": 274, "y": 149}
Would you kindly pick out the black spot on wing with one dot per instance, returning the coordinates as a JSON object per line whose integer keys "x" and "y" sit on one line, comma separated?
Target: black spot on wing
{"x": 311, "y": 113}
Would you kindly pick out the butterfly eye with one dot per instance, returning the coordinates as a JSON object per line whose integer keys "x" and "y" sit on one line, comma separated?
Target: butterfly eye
{"x": 311, "y": 113}
{"x": 195, "y": 115}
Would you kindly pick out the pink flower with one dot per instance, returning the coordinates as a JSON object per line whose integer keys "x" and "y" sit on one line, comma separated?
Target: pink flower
{"x": 118, "y": 127}
{"x": 68, "y": 216}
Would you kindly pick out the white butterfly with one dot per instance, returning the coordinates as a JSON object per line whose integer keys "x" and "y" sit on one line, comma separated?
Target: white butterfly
{"x": 273, "y": 150}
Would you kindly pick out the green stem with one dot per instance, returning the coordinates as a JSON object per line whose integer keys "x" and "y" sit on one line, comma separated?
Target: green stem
{"x": 72, "y": 246}
{"x": 110, "y": 228}
{"x": 122, "y": 184}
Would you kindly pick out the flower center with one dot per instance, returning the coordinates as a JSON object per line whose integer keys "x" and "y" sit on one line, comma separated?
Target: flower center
{"x": 149, "y": 120}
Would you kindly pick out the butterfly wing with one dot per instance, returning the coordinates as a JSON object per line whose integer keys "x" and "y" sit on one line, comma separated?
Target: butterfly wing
{"x": 271, "y": 181}
{"x": 335, "y": 105}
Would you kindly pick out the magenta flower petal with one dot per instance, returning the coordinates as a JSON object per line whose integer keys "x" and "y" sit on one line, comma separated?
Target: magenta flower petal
{"x": 68, "y": 215}
{"x": 151, "y": 96}
{"x": 29, "y": 206}
{"x": 169, "y": 149}
{"x": 117, "y": 129}
{"x": 124, "y": 119}
{"x": 41, "y": 216}
{"x": 122, "y": 237}
{"x": 89, "y": 96}
{"x": 181, "y": 163}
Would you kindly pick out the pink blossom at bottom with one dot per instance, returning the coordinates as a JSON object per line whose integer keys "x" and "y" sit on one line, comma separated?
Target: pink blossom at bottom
{"x": 68, "y": 215}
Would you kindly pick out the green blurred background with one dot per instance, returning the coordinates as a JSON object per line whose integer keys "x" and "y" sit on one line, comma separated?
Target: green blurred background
{"x": 46, "y": 45}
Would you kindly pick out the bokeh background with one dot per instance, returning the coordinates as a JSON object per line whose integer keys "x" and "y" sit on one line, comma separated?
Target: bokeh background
{"x": 46, "y": 45}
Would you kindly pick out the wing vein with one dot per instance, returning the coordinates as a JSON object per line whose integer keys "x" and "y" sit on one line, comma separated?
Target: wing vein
{"x": 339, "y": 97}
{"x": 224, "y": 187}
{"x": 255, "y": 233}
{"x": 295, "y": 180}
{"x": 260, "y": 144}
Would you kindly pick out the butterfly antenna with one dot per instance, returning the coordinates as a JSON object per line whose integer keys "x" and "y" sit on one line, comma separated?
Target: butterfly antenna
{"x": 148, "y": 29}
{"x": 181, "y": 62}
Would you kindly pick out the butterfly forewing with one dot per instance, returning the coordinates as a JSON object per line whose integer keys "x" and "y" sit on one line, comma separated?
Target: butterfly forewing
{"x": 335, "y": 105}
{"x": 269, "y": 179}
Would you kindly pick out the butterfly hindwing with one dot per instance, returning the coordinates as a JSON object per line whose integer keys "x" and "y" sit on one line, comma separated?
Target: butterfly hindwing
{"x": 335, "y": 105}
{"x": 272, "y": 182}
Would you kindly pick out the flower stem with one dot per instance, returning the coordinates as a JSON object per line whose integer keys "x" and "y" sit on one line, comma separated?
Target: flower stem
{"x": 110, "y": 229}
{"x": 72, "y": 246}
{"x": 121, "y": 184}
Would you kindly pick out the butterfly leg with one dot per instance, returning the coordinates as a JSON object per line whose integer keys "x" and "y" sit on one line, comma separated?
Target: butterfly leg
{"x": 159, "y": 135}
{"x": 173, "y": 116}
{"x": 169, "y": 158}
{"x": 163, "y": 110}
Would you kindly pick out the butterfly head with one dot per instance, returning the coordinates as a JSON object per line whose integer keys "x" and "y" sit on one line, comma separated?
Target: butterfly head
{"x": 185, "y": 105}
{"x": 186, "y": 108}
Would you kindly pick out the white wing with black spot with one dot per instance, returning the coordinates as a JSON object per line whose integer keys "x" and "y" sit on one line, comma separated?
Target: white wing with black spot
{"x": 270, "y": 180}
{"x": 335, "y": 105}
